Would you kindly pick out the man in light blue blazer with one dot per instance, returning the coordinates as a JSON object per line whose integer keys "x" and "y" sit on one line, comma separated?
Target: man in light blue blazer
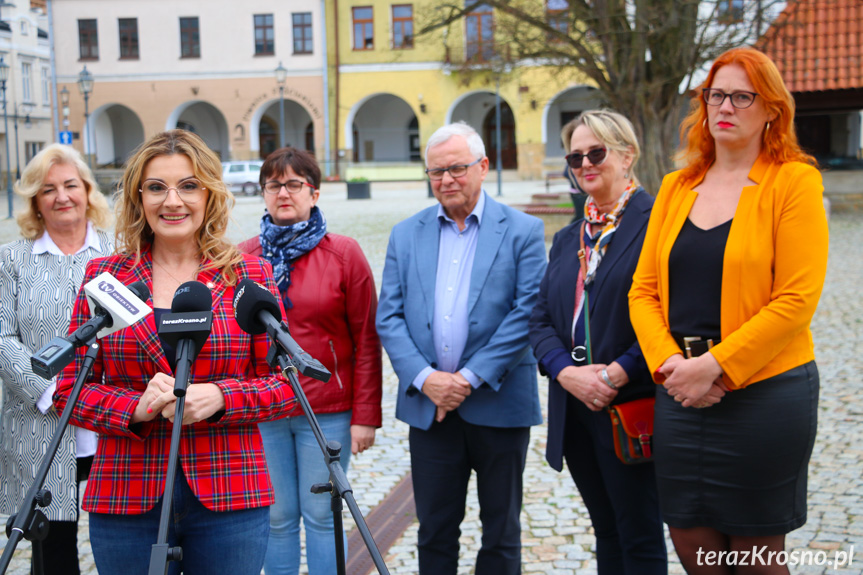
{"x": 459, "y": 284}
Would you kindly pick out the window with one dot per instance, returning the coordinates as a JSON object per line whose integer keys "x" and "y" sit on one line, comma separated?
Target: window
{"x": 88, "y": 40}
{"x": 479, "y": 26}
{"x": 190, "y": 38}
{"x": 730, "y": 11}
{"x": 557, "y": 14}
{"x": 31, "y": 149}
{"x": 302, "y": 32}
{"x": 403, "y": 26}
{"x": 25, "y": 28}
{"x": 27, "y": 81}
{"x": 364, "y": 36}
{"x": 265, "y": 44}
{"x": 46, "y": 87}
{"x": 128, "y": 38}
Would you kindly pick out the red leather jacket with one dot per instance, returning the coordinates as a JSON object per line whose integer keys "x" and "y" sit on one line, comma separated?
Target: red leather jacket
{"x": 333, "y": 319}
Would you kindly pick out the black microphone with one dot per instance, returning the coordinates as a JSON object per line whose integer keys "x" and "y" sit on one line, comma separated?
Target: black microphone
{"x": 187, "y": 328}
{"x": 257, "y": 311}
{"x": 54, "y": 356}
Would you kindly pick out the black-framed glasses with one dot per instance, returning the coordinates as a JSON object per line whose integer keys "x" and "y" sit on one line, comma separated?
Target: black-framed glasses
{"x": 596, "y": 156}
{"x": 155, "y": 191}
{"x": 292, "y": 186}
{"x": 457, "y": 171}
{"x": 741, "y": 99}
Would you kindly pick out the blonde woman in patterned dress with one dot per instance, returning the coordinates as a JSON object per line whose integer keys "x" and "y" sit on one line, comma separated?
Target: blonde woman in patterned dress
{"x": 62, "y": 226}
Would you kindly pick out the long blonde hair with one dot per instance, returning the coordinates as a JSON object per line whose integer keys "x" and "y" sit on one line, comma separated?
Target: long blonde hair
{"x": 33, "y": 179}
{"x": 133, "y": 231}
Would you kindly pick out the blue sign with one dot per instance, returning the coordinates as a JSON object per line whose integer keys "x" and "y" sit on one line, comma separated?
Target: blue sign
{"x": 66, "y": 137}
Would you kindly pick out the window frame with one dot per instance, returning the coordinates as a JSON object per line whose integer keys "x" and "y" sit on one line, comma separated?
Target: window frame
{"x": 730, "y": 11}
{"x": 89, "y": 39}
{"x": 306, "y": 36}
{"x": 27, "y": 82}
{"x": 265, "y": 26}
{"x": 402, "y": 22}
{"x": 365, "y": 45}
{"x": 190, "y": 38}
{"x": 130, "y": 48}
{"x": 480, "y": 45}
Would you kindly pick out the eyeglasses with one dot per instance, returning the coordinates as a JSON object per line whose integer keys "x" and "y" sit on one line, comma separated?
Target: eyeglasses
{"x": 740, "y": 99}
{"x": 292, "y": 186}
{"x": 155, "y": 191}
{"x": 596, "y": 156}
{"x": 457, "y": 171}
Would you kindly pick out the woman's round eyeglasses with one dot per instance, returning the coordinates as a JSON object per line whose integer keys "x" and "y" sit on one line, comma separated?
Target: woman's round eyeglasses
{"x": 596, "y": 156}
{"x": 292, "y": 186}
{"x": 155, "y": 191}
{"x": 740, "y": 99}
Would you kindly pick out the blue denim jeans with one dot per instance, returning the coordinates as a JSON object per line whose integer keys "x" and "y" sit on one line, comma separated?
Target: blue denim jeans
{"x": 295, "y": 462}
{"x": 213, "y": 542}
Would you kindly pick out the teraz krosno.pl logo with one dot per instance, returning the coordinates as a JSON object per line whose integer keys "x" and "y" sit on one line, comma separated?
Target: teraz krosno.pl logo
{"x": 109, "y": 289}
{"x": 184, "y": 320}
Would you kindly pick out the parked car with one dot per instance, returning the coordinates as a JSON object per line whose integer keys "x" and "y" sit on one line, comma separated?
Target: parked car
{"x": 242, "y": 176}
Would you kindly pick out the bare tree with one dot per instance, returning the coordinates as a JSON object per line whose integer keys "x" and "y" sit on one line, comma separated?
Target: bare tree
{"x": 642, "y": 55}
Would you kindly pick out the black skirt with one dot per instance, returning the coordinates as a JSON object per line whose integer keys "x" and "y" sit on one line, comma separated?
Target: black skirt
{"x": 740, "y": 466}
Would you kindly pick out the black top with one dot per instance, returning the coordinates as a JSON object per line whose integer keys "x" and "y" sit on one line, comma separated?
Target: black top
{"x": 170, "y": 351}
{"x": 695, "y": 281}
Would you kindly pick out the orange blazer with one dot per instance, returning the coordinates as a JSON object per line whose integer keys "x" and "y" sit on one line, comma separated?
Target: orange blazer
{"x": 772, "y": 273}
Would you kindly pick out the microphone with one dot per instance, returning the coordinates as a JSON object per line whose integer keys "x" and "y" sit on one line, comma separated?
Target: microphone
{"x": 114, "y": 307}
{"x": 187, "y": 328}
{"x": 257, "y": 311}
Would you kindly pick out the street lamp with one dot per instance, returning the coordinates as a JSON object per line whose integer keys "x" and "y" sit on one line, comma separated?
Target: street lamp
{"x": 281, "y": 76}
{"x": 4, "y": 75}
{"x": 64, "y": 100}
{"x": 27, "y": 109}
{"x": 85, "y": 86}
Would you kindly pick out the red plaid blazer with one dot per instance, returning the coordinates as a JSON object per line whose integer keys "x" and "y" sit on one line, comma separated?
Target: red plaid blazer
{"x": 223, "y": 460}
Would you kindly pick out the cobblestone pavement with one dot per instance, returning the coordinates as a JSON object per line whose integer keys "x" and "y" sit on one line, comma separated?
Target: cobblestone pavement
{"x": 557, "y": 536}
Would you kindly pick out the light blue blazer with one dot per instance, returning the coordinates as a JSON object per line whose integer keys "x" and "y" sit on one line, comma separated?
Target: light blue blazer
{"x": 508, "y": 266}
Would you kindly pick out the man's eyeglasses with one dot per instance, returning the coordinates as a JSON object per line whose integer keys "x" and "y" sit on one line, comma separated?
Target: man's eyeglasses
{"x": 292, "y": 186}
{"x": 457, "y": 171}
{"x": 155, "y": 191}
{"x": 596, "y": 156}
{"x": 740, "y": 99}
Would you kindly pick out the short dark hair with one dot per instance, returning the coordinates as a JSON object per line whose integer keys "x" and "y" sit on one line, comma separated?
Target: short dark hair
{"x": 300, "y": 161}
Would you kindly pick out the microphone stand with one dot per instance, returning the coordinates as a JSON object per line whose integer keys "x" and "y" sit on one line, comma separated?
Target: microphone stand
{"x": 161, "y": 553}
{"x": 30, "y": 523}
{"x": 338, "y": 486}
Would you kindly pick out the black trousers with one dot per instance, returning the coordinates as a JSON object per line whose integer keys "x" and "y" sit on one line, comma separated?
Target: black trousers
{"x": 60, "y": 547}
{"x": 621, "y": 499}
{"x": 441, "y": 462}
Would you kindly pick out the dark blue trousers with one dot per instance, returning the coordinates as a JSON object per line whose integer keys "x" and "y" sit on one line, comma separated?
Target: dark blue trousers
{"x": 621, "y": 499}
{"x": 441, "y": 462}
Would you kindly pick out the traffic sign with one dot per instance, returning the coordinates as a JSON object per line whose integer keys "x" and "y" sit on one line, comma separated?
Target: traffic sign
{"x": 66, "y": 137}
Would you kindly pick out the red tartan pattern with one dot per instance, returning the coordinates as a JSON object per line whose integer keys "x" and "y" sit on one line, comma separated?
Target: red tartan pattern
{"x": 223, "y": 460}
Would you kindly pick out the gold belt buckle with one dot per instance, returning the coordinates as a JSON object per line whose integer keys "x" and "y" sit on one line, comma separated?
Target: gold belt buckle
{"x": 686, "y": 347}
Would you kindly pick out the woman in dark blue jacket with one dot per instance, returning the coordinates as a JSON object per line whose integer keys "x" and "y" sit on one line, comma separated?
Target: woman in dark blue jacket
{"x": 621, "y": 499}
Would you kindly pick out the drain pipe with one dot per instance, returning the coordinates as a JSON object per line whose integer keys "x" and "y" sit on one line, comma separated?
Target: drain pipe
{"x": 326, "y": 78}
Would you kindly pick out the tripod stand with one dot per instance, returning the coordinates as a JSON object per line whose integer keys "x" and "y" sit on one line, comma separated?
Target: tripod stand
{"x": 30, "y": 523}
{"x": 338, "y": 486}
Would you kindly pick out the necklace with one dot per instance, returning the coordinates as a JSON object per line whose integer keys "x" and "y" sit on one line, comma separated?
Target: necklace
{"x": 179, "y": 282}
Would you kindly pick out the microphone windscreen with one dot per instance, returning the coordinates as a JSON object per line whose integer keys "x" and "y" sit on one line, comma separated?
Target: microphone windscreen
{"x": 141, "y": 291}
{"x": 192, "y": 296}
{"x": 250, "y": 298}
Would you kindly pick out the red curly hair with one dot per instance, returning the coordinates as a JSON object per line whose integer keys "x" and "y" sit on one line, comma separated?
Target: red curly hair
{"x": 779, "y": 142}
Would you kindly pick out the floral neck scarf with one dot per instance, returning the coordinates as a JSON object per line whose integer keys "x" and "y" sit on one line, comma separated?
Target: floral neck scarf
{"x": 609, "y": 222}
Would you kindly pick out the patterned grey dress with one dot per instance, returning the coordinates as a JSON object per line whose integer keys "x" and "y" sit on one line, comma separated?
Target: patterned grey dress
{"x": 37, "y": 292}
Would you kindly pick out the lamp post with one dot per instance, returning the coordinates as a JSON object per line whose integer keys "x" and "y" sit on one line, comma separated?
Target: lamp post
{"x": 64, "y": 101}
{"x": 281, "y": 76}
{"x": 497, "y": 161}
{"x": 4, "y": 75}
{"x": 27, "y": 109}
{"x": 85, "y": 86}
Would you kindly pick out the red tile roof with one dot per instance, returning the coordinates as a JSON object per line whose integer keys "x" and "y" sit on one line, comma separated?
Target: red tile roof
{"x": 818, "y": 44}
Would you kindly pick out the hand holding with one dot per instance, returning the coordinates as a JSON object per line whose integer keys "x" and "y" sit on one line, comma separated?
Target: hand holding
{"x": 446, "y": 390}
{"x": 159, "y": 393}
{"x": 586, "y": 385}
{"x": 202, "y": 401}
{"x": 362, "y": 437}
{"x": 692, "y": 379}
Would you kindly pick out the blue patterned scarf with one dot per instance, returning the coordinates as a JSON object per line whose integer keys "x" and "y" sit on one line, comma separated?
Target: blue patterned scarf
{"x": 282, "y": 245}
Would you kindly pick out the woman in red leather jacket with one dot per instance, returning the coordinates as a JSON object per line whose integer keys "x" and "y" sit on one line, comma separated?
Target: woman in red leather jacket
{"x": 330, "y": 299}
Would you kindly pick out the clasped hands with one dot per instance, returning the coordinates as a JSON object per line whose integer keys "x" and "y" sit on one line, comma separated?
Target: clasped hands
{"x": 202, "y": 401}
{"x": 586, "y": 384}
{"x": 695, "y": 382}
{"x": 446, "y": 390}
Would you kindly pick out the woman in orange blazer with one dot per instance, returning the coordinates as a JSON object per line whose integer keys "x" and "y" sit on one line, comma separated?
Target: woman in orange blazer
{"x": 729, "y": 277}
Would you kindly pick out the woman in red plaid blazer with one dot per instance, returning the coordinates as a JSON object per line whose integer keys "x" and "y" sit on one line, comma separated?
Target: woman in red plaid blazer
{"x": 172, "y": 215}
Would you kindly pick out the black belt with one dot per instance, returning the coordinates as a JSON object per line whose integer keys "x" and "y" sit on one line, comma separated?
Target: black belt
{"x": 693, "y": 346}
